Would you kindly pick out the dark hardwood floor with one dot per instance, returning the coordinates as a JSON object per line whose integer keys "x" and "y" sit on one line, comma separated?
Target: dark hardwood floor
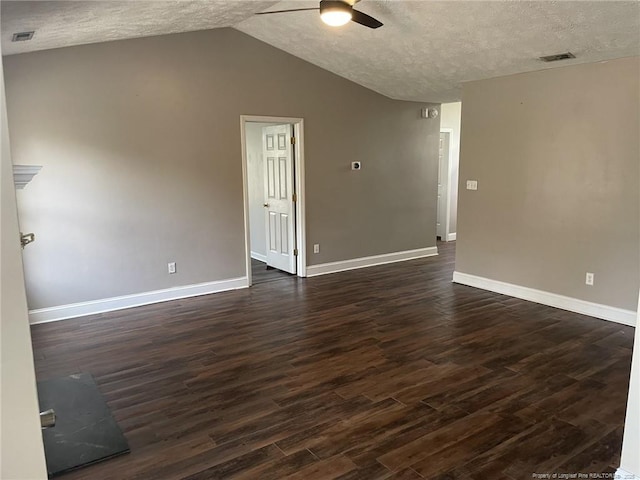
{"x": 260, "y": 273}
{"x": 388, "y": 372}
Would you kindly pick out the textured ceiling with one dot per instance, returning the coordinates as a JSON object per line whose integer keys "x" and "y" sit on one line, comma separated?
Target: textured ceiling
{"x": 63, "y": 23}
{"x": 425, "y": 50}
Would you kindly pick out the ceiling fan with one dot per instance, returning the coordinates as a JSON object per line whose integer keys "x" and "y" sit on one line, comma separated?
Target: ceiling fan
{"x": 336, "y": 13}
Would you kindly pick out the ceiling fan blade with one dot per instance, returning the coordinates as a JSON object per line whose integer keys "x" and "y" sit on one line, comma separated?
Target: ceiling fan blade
{"x": 366, "y": 20}
{"x": 286, "y": 11}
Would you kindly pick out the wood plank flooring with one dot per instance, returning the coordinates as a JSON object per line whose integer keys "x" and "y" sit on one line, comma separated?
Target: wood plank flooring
{"x": 388, "y": 372}
{"x": 260, "y": 273}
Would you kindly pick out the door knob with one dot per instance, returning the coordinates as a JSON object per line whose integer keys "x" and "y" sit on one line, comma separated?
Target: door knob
{"x": 265, "y": 205}
{"x": 26, "y": 239}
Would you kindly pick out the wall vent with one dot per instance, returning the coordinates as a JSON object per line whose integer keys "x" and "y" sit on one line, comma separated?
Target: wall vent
{"x": 22, "y": 36}
{"x": 557, "y": 57}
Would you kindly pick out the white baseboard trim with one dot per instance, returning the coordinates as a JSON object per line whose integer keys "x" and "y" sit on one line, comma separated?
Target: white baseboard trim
{"x": 624, "y": 475}
{"x": 259, "y": 257}
{"x": 451, "y": 237}
{"x": 63, "y": 312}
{"x": 344, "y": 265}
{"x": 605, "y": 312}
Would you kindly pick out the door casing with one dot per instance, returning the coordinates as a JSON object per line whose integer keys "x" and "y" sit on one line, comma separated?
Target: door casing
{"x": 298, "y": 132}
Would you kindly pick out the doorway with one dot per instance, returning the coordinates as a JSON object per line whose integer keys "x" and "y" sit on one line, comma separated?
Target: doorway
{"x": 273, "y": 184}
{"x": 442, "y": 214}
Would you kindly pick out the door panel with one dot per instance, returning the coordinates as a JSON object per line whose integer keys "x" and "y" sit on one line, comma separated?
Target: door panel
{"x": 283, "y": 177}
{"x": 279, "y": 206}
{"x": 271, "y": 181}
{"x": 284, "y": 234}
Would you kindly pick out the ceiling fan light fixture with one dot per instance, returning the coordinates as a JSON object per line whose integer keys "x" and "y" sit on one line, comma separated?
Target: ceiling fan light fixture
{"x": 335, "y": 13}
{"x": 335, "y": 18}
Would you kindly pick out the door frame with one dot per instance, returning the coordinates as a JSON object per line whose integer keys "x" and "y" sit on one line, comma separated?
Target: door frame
{"x": 298, "y": 180}
{"x": 447, "y": 208}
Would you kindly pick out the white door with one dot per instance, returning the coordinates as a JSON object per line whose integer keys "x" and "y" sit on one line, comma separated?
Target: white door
{"x": 277, "y": 150}
{"x": 443, "y": 173}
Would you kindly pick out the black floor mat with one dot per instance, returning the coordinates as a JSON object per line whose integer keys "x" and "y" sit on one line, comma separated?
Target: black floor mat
{"x": 85, "y": 432}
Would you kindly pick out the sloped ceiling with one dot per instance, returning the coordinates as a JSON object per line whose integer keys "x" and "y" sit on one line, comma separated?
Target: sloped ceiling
{"x": 425, "y": 50}
{"x": 64, "y": 23}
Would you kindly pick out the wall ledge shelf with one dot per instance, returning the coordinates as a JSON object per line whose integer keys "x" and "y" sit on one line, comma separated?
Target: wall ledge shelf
{"x": 23, "y": 174}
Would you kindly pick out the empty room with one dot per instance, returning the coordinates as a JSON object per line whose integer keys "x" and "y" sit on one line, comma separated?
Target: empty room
{"x": 320, "y": 239}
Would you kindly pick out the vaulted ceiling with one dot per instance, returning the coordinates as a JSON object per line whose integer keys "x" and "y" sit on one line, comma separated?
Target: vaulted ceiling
{"x": 424, "y": 51}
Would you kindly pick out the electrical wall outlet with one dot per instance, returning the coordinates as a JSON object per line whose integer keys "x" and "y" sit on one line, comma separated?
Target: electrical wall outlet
{"x": 171, "y": 267}
{"x": 589, "y": 278}
{"x": 472, "y": 184}
{"x": 316, "y": 248}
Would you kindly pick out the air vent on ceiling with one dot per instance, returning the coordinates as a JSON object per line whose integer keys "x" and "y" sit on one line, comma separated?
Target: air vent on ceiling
{"x": 557, "y": 57}
{"x": 22, "y": 36}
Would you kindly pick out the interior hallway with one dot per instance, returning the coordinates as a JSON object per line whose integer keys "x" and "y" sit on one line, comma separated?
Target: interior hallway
{"x": 261, "y": 274}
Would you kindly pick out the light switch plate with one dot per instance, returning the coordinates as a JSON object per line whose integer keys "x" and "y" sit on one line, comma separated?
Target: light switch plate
{"x": 472, "y": 185}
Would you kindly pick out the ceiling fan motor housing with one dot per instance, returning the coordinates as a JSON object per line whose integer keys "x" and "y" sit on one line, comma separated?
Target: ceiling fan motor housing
{"x": 335, "y": 5}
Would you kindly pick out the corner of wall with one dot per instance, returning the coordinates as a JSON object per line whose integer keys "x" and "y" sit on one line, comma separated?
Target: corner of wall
{"x": 22, "y": 450}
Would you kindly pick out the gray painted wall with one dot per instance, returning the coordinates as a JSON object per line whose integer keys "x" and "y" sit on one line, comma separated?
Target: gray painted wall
{"x": 21, "y": 446}
{"x": 556, "y": 156}
{"x": 140, "y": 146}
